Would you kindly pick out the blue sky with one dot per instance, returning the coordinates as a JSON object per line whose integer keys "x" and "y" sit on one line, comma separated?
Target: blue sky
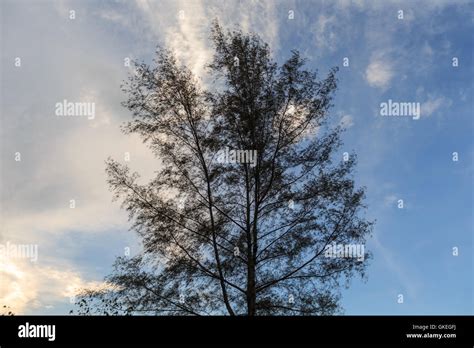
{"x": 405, "y": 60}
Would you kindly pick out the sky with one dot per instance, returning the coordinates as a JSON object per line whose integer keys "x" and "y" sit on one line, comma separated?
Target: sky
{"x": 424, "y": 54}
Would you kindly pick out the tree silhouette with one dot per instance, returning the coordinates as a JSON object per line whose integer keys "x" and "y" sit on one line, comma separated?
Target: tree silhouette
{"x": 231, "y": 236}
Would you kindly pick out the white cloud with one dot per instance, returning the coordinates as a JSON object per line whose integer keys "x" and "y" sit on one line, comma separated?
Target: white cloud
{"x": 189, "y": 39}
{"x": 79, "y": 174}
{"x": 379, "y": 73}
{"x": 26, "y": 286}
{"x": 188, "y": 33}
{"x": 253, "y": 16}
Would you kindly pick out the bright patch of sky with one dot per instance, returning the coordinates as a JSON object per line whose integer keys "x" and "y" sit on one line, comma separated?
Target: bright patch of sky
{"x": 407, "y": 59}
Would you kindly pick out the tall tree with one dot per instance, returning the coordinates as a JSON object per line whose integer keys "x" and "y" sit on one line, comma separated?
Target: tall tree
{"x": 234, "y": 234}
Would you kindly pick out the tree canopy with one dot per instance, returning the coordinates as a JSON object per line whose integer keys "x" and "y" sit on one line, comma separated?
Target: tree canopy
{"x": 234, "y": 237}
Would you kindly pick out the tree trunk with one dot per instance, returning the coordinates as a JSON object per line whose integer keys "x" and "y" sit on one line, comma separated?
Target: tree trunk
{"x": 251, "y": 294}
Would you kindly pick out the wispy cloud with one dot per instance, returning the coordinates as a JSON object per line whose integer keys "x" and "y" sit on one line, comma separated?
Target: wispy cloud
{"x": 325, "y": 33}
{"x": 347, "y": 121}
{"x": 434, "y": 104}
{"x": 408, "y": 283}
